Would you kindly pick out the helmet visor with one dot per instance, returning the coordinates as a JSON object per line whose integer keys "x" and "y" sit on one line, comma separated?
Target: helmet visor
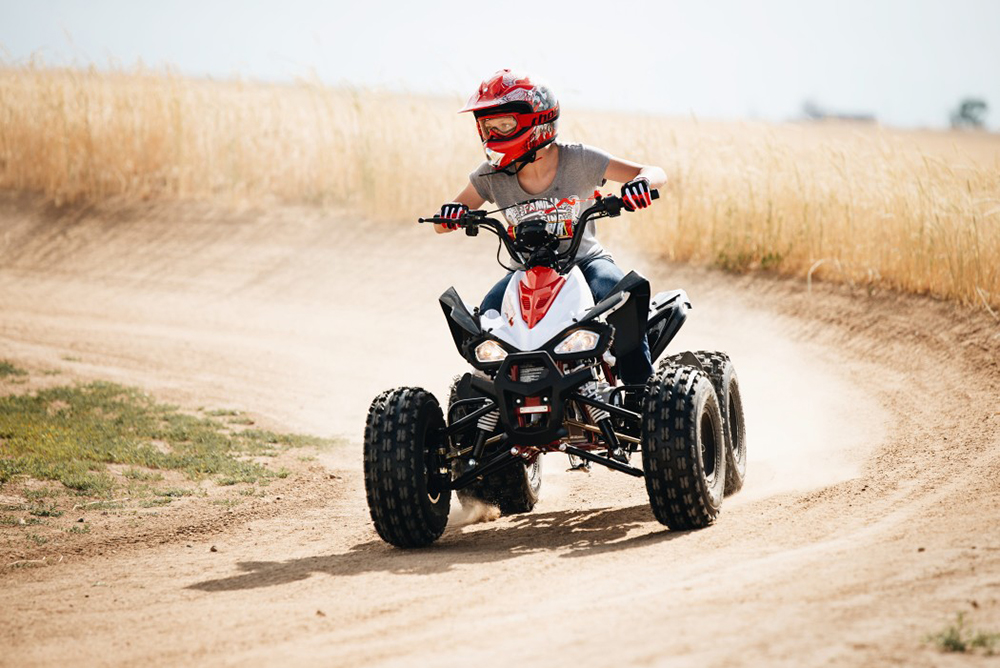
{"x": 498, "y": 126}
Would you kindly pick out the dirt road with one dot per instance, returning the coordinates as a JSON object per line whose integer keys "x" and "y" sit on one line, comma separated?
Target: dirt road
{"x": 871, "y": 513}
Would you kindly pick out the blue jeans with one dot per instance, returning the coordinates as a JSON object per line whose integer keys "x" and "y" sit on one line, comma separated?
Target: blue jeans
{"x": 601, "y": 274}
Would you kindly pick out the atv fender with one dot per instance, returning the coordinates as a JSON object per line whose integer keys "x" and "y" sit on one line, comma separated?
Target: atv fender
{"x": 628, "y": 318}
{"x": 667, "y": 313}
{"x": 463, "y": 325}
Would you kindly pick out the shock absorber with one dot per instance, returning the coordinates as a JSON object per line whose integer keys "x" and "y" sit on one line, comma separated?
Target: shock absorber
{"x": 602, "y": 419}
{"x": 591, "y": 391}
{"x": 484, "y": 427}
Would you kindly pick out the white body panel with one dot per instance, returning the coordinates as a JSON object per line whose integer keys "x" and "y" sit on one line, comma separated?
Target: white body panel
{"x": 573, "y": 300}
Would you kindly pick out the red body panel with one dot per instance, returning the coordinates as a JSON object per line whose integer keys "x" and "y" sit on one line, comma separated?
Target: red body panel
{"x": 537, "y": 292}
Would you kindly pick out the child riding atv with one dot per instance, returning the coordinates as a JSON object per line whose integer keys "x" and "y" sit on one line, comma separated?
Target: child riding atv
{"x": 517, "y": 118}
{"x": 560, "y": 350}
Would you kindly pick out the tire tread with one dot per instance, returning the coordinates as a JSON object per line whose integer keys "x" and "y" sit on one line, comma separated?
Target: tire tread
{"x": 678, "y": 491}
{"x": 395, "y": 469}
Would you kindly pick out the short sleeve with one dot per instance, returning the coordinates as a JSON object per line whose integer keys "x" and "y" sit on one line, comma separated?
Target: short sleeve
{"x": 593, "y": 164}
{"x": 478, "y": 179}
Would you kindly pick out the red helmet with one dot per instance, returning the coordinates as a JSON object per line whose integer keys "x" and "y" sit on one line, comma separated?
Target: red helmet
{"x": 515, "y": 117}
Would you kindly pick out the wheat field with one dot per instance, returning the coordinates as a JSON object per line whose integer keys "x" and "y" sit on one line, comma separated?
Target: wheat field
{"x": 912, "y": 211}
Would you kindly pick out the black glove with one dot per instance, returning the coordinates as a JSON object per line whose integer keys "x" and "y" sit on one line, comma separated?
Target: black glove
{"x": 454, "y": 211}
{"x": 635, "y": 194}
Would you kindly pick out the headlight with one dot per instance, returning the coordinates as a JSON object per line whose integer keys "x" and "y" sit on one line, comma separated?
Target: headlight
{"x": 490, "y": 351}
{"x": 579, "y": 341}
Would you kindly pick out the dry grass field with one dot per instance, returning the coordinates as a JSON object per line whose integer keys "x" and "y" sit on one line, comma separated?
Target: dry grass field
{"x": 912, "y": 211}
{"x": 245, "y": 257}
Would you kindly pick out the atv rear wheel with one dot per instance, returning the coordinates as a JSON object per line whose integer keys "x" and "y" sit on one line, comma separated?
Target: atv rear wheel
{"x": 722, "y": 373}
{"x": 683, "y": 448}
{"x": 408, "y": 503}
{"x": 514, "y": 489}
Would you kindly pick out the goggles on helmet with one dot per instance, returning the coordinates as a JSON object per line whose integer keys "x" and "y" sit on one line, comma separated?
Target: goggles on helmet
{"x": 498, "y": 126}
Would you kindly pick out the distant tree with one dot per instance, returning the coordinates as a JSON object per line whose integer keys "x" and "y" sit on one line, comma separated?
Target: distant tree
{"x": 969, "y": 114}
{"x": 812, "y": 111}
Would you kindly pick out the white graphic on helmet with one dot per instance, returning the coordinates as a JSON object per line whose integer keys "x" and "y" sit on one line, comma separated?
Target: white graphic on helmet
{"x": 516, "y": 95}
{"x": 542, "y": 98}
{"x": 494, "y": 157}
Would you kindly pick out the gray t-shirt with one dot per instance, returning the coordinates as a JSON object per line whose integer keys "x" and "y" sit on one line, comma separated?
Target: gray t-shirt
{"x": 579, "y": 172}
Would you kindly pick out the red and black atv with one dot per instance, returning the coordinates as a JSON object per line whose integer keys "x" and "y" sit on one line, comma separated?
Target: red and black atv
{"x": 545, "y": 380}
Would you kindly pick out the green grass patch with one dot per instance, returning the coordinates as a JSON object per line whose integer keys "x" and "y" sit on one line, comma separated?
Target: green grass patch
{"x": 10, "y": 521}
{"x": 45, "y": 510}
{"x": 70, "y": 434}
{"x": 39, "y": 494}
{"x": 8, "y": 369}
{"x": 142, "y": 475}
{"x": 174, "y": 492}
{"x": 960, "y": 637}
{"x": 106, "y": 505}
{"x": 241, "y": 420}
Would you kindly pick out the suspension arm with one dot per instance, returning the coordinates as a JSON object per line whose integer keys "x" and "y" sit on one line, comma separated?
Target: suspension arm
{"x": 614, "y": 410}
{"x": 604, "y": 461}
{"x": 501, "y": 460}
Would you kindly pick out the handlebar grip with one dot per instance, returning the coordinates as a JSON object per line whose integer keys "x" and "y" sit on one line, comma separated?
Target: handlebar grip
{"x": 654, "y": 194}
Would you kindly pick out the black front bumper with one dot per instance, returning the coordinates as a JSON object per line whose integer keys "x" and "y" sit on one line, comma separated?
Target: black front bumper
{"x": 551, "y": 389}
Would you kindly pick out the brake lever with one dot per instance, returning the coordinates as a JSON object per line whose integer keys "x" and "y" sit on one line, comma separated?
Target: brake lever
{"x": 473, "y": 216}
{"x": 438, "y": 220}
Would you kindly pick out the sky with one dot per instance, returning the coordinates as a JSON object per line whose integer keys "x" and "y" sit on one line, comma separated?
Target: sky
{"x": 908, "y": 62}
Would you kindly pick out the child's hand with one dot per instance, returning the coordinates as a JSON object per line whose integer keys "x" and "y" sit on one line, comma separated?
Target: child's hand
{"x": 636, "y": 195}
{"x": 455, "y": 211}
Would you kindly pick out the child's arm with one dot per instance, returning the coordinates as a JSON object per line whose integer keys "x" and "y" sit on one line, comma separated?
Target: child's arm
{"x": 624, "y": 171}
{"x": 470, "y": 198}
{"x": 638, "y": 181}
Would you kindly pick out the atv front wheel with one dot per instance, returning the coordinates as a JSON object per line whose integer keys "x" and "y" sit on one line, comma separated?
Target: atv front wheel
{"x": 408, "y": 503}
{"x": 683, "y": 448}
{"x": 722, "y": 373}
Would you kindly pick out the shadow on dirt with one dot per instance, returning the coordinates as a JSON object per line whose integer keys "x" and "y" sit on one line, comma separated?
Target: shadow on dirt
{"x": 575, "y": 533}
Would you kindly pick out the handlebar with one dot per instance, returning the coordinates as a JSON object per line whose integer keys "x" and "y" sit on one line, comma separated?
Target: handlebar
{"x": 605, "y": 206}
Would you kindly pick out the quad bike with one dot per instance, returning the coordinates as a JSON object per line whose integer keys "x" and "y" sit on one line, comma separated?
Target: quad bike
{"x": 546, "y": 380}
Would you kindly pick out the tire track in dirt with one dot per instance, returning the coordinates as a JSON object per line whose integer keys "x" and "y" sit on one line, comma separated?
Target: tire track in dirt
{"x": 873, "y": 422}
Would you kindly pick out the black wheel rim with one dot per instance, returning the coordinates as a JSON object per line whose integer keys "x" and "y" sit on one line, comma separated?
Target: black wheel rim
{"x": 736, "y": 436}
{"x": 709, "y": 446}
{"x": 431, "y": 474}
